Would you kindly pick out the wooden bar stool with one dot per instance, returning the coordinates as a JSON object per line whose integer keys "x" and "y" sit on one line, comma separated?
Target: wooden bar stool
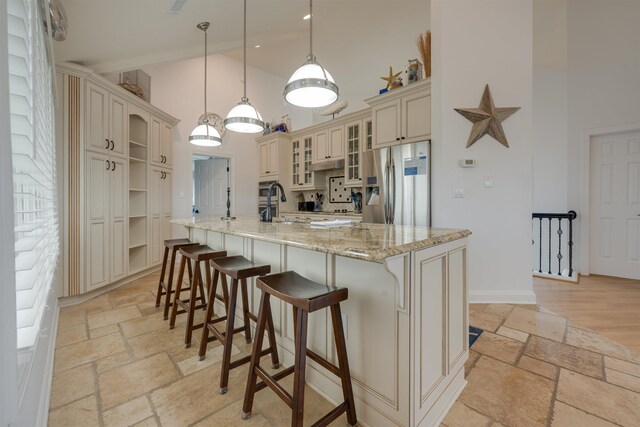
{"x": 239, "y": 269}
{"x": 166, "y": 288}
{"x": 306, "y": 297}
{"x": 197, "y": 254}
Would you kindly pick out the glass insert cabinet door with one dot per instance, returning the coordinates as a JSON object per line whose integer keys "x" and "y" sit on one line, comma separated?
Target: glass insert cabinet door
{"x": 354, "y": 141}
{"x": 301, "y": 155}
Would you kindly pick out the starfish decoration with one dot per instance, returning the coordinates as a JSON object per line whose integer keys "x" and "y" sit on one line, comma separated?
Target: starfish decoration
{"x": 391, "y": 77}
{"x": 487, "y": 119}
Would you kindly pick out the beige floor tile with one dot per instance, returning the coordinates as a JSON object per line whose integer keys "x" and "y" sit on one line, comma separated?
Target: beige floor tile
{"x": 193, "y": 363}
{"x": 500, "y": 310}
{"x": 114, "y": 361}
{"x": 87, "y": 351}
{"x": 511, "y": 396}
{"x": 158, "y": 341}
{"x": 71, "y": 385}
{"x": 123, "y": 297}
{"x": 230, "y": 416}
{"x": 71, "y": 335}
{"x": 498, "y": 347}
{"x": 129, "y": 381}
{"x": 593, "y": 341}
{"x": 622, "y": 366}
{"x": 596, "y": 397}
{"x": 142, "y": 325}
{"x": 192, "y": 398}
{"x": 149, "y": 422}
{"x": 111, "y": 317}
{"x": 568, "y": 416}
{"x": 538, "y": 367}
{"x": 69, "y": 318}
{"x": 485, "y": 321}
{"x": 566, "y": 356}
{"x": 105, "y": 330}
{"x": 537, "y": 323}
{"x": 471, "y": 361}
{"x": 128, "y": 413}
{"x": 79, "y": 413}
{"x": 512, "y": 333}
{"x": 623, "y": 380}
{"x": 461, "y": 415}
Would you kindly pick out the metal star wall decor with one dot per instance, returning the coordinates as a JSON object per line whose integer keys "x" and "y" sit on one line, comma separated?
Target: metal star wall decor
{"x": 487, "y": 119}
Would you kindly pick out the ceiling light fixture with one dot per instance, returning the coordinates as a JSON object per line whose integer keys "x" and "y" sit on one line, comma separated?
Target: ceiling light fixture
{"x": 311, "y": 85}
{"x": 204, "y": 134}
{"x": 257, "y": 46}
{"x": 305, "y": 17}
{"x": 244, "y": 117}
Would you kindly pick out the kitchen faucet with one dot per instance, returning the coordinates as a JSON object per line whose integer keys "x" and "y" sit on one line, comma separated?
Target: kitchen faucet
{"x": 266, "y": 214}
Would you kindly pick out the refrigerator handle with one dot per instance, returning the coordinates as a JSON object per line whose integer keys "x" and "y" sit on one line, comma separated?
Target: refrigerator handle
{"x": 386, "y": 191}
{"x": 392, "y": 208}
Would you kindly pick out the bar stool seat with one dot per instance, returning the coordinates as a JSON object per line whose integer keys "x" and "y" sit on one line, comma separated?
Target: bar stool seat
{"x": 196, "y": 254}
{"x": 305, "y": 296}
{"x": 239, "y": 269}
{"x": 166, "y": 288}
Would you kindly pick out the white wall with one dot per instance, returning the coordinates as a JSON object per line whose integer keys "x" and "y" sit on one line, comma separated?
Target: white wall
{"x": 177, "y": 88}
{"x": 477, "y": 42}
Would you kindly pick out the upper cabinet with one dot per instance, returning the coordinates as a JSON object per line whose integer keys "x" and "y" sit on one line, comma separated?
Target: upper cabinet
{"x": 301, "y": 157}
{"x": 353, "y": 147}
{"x": 273, "y": 156}
{"x": 402, "y": 116}
{"x": 106, "y": 129}
{"x": 161, "y": 142}
{"x": 329, "y": 144}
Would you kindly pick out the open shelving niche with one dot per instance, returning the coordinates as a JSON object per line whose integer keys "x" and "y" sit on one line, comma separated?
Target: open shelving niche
{"x": 138, "y": 185}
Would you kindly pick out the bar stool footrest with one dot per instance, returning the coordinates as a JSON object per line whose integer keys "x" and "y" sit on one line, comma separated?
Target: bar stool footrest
{"x": 272, "y": 382}
{"x": 324, "y": 363}
{"x": 331, "y": 416}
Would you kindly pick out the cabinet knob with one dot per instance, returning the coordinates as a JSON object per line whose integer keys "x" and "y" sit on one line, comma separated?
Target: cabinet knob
{"x": 402, "y": 137}
{"x": 397, "y": 139}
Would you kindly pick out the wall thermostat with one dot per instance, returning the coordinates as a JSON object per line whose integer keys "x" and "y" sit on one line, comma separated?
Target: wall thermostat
{"x": 467, "y": 163}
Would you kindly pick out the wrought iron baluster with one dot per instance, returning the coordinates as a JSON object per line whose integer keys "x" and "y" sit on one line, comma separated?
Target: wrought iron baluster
{"x": 571, "y": 243}
{"x": 549, "y": 272}
{"x": 559, "y": 246}
{"x": 540, "y": 247}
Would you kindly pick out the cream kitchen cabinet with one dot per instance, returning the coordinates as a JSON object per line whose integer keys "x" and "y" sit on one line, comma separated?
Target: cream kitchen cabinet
{"x": 402, "y": 116}
{"x": 160, "y": 213}
{"x": 272, "y": 156}
{"x": 106, "y": 199}
{"x": 107, "y": 143}
{"x": 161, "y": 142}
{"x": 353, "y": 148}
{"x": 302, "y": 178}
{"x": 329, "y": 144}
{"x": 106, "y": 130}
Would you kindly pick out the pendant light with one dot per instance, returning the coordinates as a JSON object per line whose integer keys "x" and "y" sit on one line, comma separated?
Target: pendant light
{"x": 311, "y": 85}
{"x": 204, "y": 134}
{"x": 244, "y": 117}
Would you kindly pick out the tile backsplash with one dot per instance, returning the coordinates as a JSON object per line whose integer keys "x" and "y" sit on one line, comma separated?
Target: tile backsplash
{"x": 327, "y": 206}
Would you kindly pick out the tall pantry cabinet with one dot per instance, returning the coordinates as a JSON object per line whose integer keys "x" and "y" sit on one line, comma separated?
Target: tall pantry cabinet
{"x": 115, "y": 181}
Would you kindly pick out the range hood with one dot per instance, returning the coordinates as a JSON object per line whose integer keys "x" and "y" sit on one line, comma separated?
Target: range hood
{"x": 328, "y": 165}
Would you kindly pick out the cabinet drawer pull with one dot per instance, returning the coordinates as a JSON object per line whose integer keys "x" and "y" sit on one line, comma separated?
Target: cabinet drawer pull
{"x": 107, "y": 141}
{"x": 163, "y": 158}
{"x": 114, "y": 165}
{"x": 112, "y": 145}
{"x": 397, "y": 139}
{"x": 402, "y": 137}
{"x": 108, "y": 165}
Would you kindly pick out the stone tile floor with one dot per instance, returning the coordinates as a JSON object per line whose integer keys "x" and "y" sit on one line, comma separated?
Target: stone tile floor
{"x": 118, "y": 364}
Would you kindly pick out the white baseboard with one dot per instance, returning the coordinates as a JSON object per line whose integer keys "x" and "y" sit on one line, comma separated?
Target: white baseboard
{"x": 505, "y": 297}
{"x": 45, "y": 395}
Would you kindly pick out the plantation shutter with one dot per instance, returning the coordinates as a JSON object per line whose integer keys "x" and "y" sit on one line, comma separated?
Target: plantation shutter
{"x": 34, "y": 165}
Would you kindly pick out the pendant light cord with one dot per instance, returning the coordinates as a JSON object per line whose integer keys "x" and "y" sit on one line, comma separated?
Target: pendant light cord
{"x": 205, "y": 79}
{"x": 244, "y": 97}
{"x": 311, "y": 28}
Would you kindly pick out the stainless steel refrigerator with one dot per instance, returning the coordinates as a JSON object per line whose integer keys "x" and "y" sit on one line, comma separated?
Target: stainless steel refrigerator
{"x": 397, "y": 185}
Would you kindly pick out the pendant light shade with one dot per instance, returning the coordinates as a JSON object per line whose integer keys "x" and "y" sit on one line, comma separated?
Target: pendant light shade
{"x": 204, "y": 134}
{"x": 244, "y": 117}
{"x": 311, "y": 85}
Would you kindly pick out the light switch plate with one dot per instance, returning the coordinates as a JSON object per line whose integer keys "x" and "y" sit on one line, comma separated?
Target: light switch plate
{"x": 458, "y": 192}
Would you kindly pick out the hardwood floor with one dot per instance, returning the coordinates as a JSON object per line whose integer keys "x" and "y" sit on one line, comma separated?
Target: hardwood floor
{"x": 608, "y": 305}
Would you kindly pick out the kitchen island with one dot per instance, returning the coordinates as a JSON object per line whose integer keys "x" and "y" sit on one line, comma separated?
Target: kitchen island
{"x": 406, "y": 319}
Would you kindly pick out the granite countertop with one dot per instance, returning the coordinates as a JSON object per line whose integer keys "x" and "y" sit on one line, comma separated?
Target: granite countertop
{"x": 370, "y": 242}
{"x": 347, "y": 214}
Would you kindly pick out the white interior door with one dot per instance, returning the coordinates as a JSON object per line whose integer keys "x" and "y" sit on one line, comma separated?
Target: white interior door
{"x": 615, "y": 205}
{"x": 210, "y": 186}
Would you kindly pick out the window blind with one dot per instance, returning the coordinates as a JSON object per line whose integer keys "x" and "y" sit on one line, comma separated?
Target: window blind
{"x": 34, "y": 167}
